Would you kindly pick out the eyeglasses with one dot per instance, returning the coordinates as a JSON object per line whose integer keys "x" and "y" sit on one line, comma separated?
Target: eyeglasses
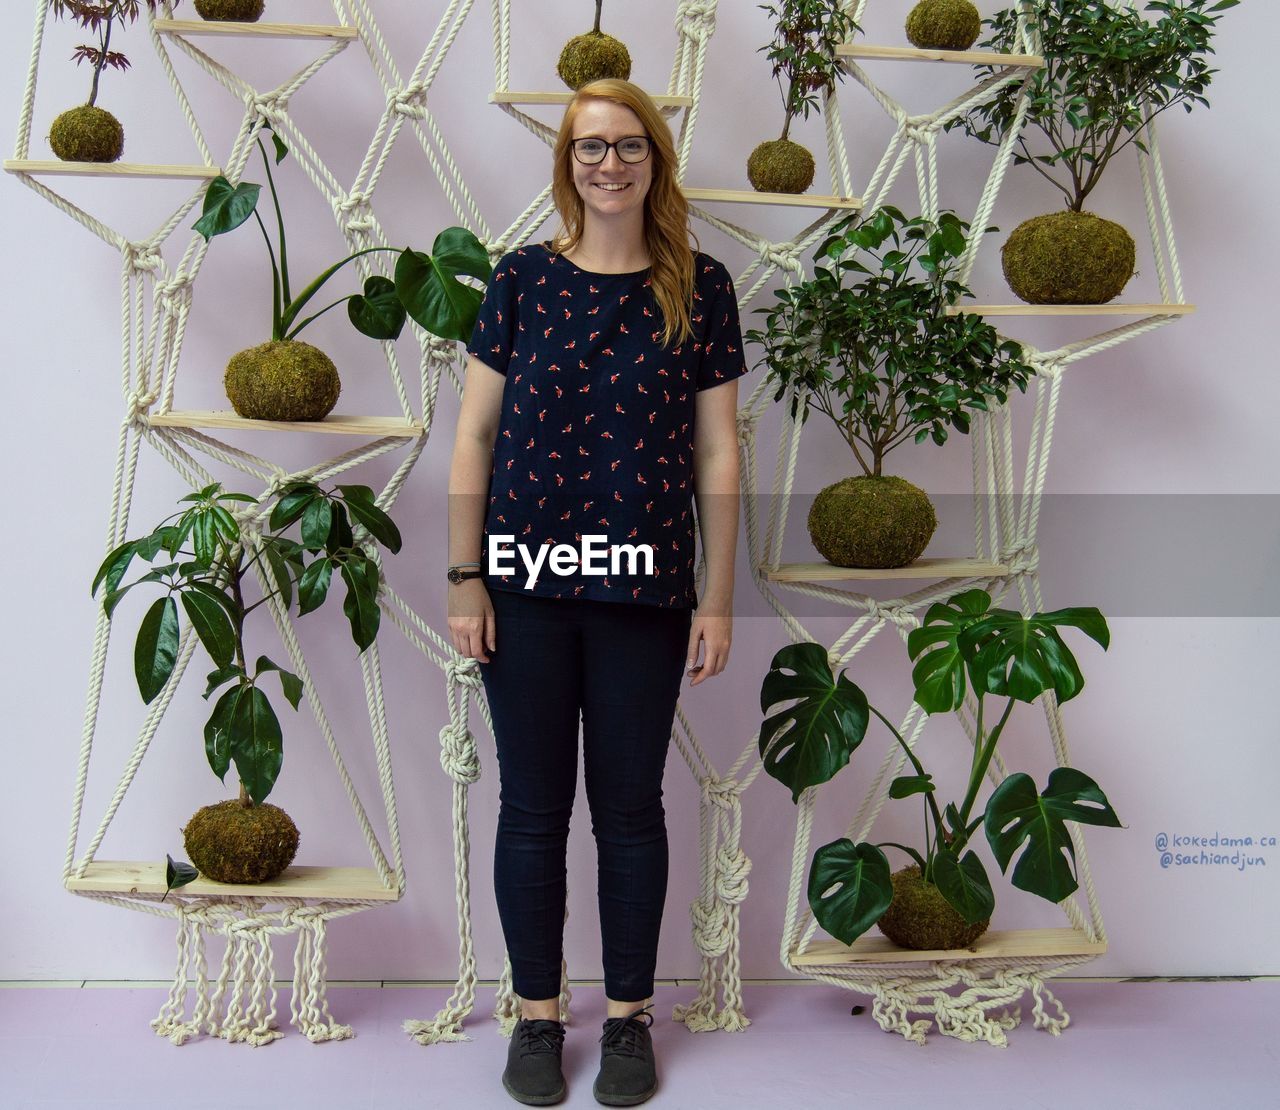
{"x": 591, "y": 152}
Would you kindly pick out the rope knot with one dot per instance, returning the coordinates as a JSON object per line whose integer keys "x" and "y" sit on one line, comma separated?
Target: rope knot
{"x": 785, "y": 256}
{"x": 174, "y": 295}
{"x": 920, "y": 129}
{"x": 722, "y": 793}
{"x": 1021, "y": 558}
{"x": 271, "y": 106}
{"x": 463, "y": 672}
{"x": 137, "y": 406}
{"x": 142, "y": 258}
{"x": 710, "y": 928}
{"x": 458, "y": 755}
{"x": 746, "y": 429}
{"x": 354, "y": 212}
{"x": 410, "y": 101}
{"x": 732, "y": 869}
{"x": 696, "y": 19}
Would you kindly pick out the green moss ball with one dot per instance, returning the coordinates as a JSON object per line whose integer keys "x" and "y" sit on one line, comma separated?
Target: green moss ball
{"x": 921, "y": 919}
{"x": 593, "y": 57}
{"x": 1068, "y": 258}
{"x": 230, "y": 843}
{"x": 230, "y": 11}
{"x": 871, "y": 522}
{"x": 87, "y": 134}
{"x": 282, "y": 380}
{"x": 780, "y": 166}
{"x": 944, "y": 25}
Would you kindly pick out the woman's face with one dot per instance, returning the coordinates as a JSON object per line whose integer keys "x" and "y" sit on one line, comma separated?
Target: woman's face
{"x": 612, "y": 189}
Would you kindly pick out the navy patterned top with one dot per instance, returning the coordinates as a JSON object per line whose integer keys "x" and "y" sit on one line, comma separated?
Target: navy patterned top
{"x": 596, "y": 432}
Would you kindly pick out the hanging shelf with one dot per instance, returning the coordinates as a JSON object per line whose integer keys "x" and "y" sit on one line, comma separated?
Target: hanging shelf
{"x": 959, "y": 57}
{"x": 253, "y": 30}
{"x": 353, "y": 884}
{"x": 380, "y": 426}
{"x": 1014, "y": 944}
{"x": 505, "y": 96}
{"x": 54, "y": 168}
{"x": 1072, "y": 309}
{"x": 930, "y": 568}
{"x": 751, "y": 196}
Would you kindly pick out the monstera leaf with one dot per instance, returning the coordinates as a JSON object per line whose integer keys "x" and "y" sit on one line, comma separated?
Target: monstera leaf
{"x": 939, "y": 672}
{"x": 964, "y": 884}
{"x": 429, "y": 288}
{"x": 1016, "y": 813}
{"x": 849, "y": 888}
{"x": 807, "y": 743}
{"x": 1021, "y": 657}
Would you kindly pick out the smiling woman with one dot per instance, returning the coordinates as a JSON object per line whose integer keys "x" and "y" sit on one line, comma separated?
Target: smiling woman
{"x": 600, "y": 399}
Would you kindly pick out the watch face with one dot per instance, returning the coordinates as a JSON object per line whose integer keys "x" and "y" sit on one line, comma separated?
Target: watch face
{"x": 455, "y": 575}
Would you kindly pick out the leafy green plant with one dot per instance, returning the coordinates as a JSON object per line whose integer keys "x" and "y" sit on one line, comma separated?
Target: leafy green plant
{"x": 100, "y": 18}
{"x": 1109, "y": 71}
{"x": 963, "y": 645}
{"x": 425, "y": 286}
{"x": 870, "y": 339}
{"x": 803, "y": 51}
{"x": 200, "y": 559}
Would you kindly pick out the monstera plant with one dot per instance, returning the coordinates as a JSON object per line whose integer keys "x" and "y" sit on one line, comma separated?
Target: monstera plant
{"x": 871, "y": 340}
{"x": 943, "y": 899}
{"x": 288, "y": 379}
{"x": 203, "y": 563}
{"x": 1109, "y": 70}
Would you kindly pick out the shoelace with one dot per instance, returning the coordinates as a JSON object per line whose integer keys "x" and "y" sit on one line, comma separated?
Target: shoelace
{"x": 626, "y": 1036}
{"x": 541, "y": 1036}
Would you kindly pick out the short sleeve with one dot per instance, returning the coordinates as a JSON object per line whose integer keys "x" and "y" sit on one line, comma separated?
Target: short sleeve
{"x": 721, "y": 358}
{"x": 493, "y": 337}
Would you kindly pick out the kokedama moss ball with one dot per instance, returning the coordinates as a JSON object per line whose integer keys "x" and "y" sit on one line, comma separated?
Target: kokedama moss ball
{"x": 282, "y": 380}
{"x": 87, "y": 134}
{"x": 944, "y": 25}
{"x": 780, "y": 166}
{"x": 871, "y": 522}
{"x": 592, "y": 57}
{"x": 1068, "y": 258}
{"x": 921, "y": 919}
{"x": 230, "y": 843}
{"x": 225, "y": 11}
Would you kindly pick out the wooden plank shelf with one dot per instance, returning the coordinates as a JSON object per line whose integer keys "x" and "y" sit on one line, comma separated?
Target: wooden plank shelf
{"x": 37, "y": 168}
{"x": 253, "y": 30}
{"x": 751, "y": 196}
{"x": 334, "y": 424}
{"x": 960, "y": 57}
{"x": 930, "y": 567}
{"x": 346, "y": 884}
{"x": 1012, "y": 944}
{"x": 1073, "y": 309}
{"x": 504, "y": 96}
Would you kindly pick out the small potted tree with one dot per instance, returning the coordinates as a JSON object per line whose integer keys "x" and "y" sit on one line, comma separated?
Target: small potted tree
{"x": 593, "y": 56}
{"x": 1108, "y": 72}
{"x": 288, "y": 379}
{"x": 869, "y": 339}
{"x": 202, "y": 560}
{"x": 90, "y": 133}
{"x": 803, "y": 52}
{"x": 943, "y": 899}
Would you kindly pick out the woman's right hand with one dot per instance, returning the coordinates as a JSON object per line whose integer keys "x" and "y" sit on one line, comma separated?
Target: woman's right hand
{"x": 472, "y": 624}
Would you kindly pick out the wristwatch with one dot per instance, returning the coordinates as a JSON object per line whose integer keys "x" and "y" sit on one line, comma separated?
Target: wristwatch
{"x": 457, "y": 574}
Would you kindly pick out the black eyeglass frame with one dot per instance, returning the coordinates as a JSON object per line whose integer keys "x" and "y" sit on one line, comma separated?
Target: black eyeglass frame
{"x": 615, "y": 147}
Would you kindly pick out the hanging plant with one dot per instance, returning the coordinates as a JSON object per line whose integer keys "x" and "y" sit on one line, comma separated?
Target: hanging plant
{"x": 204, "y": 567}
{"x": 230, "y": 11}
{"x": 803, "y": 52}
{"x": 288, "y": 379}
{"x": 1108, "y": 72}
{"x": 943, "y": 25}
{"x": 90, "y": 133}
{"x": 944, "y": 898}
{"x": 870, "y": 340}
{"x": 593, "y": 57}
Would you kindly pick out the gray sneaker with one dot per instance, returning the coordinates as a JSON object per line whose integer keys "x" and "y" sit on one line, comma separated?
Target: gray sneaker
{"x": 533, "y": 1074}
{"x": 628, "y": 1075}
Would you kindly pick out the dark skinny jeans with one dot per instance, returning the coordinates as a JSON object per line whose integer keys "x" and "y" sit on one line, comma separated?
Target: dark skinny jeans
{"x": 619, "y": 665}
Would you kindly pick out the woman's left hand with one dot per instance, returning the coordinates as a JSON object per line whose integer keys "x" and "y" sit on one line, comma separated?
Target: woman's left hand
{"x": 713, "y": 627}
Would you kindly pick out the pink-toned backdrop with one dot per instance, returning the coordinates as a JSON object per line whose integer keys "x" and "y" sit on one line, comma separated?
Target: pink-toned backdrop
{"x": 1176, "y": 721}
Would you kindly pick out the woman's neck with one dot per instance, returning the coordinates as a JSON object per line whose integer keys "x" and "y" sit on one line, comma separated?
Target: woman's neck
{"x": 610, "y": 250}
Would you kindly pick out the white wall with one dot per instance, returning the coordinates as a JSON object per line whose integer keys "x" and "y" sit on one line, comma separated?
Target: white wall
{"x": 1176, "y": 722}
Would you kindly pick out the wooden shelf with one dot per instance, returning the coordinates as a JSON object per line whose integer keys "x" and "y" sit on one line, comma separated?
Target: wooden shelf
{"x": 1014, "y": 944}
{"x": 340, "y": 883}
{"x": 333, "y": 424}
{"x": 751, "y": 196}
{"x": 106, "y": 169}
{"x": 1073, "y": 309}
{"x": 253, "y": 30}
{"x": 507, "y": 97}
{"x": 960, "y": 57}
{"x": 922, "y": 568}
